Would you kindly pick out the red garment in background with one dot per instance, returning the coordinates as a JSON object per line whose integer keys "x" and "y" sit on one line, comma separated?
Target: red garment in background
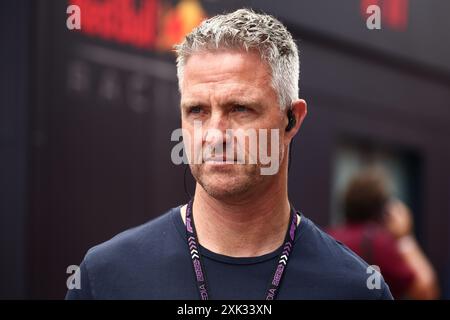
{"x": 377, "y": 247}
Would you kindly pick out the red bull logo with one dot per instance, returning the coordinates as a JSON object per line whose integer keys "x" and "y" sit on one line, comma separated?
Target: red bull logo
{"x": 146, "y": 24}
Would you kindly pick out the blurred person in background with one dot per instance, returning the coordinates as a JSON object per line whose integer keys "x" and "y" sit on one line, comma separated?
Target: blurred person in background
{"x": 380, "y": 230}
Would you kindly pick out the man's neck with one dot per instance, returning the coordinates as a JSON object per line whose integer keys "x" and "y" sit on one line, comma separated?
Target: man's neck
{"x": 246, "y": 228}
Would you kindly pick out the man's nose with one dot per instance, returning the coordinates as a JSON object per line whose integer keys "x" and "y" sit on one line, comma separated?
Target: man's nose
{"x": 216, "y": 129}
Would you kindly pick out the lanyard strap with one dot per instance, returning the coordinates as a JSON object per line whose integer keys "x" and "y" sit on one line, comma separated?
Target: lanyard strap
{"x": 199, "y": 269}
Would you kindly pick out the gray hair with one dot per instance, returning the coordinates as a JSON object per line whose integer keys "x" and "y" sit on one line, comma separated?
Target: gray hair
{"x": 247, "y": 30}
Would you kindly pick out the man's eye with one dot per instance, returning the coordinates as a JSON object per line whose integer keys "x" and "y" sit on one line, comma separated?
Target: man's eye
{"x": 194, "y": 109}
{"x": 240, "y": 108}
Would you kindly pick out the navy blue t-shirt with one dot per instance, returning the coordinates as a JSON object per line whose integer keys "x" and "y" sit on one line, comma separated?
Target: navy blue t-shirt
{"x": 152, "y": 261}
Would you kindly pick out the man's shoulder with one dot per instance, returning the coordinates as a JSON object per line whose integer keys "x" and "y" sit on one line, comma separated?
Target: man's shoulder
{"x": 129, "y": 244}
{"x": 125, "y": 265}
{"x": 329, "y": 247}
{"x": 338, "y": 264}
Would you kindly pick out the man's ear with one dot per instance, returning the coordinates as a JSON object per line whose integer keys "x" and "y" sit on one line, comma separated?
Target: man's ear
{"x": 299, "y": 111}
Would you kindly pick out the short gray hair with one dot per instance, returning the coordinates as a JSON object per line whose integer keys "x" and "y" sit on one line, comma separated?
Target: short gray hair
{"x": 247, "y": 30}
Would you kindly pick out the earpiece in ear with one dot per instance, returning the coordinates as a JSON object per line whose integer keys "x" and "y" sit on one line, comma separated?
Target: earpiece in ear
{"x": 291, "y": 120}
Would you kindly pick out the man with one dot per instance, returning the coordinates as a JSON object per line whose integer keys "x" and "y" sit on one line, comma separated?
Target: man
{"x": 236, "y": 71}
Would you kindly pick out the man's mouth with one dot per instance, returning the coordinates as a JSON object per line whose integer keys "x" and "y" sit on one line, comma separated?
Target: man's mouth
{"x": 220, "y": 159}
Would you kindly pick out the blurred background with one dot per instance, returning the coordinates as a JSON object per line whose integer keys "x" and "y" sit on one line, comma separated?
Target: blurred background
{"x": 86, "y": 117}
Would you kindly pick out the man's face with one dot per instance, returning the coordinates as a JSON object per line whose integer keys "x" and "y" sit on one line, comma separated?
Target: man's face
{"x": 229, "y": 90}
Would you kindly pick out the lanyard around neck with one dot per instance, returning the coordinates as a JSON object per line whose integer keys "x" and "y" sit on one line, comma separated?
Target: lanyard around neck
{"x": 199, "y": 269}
